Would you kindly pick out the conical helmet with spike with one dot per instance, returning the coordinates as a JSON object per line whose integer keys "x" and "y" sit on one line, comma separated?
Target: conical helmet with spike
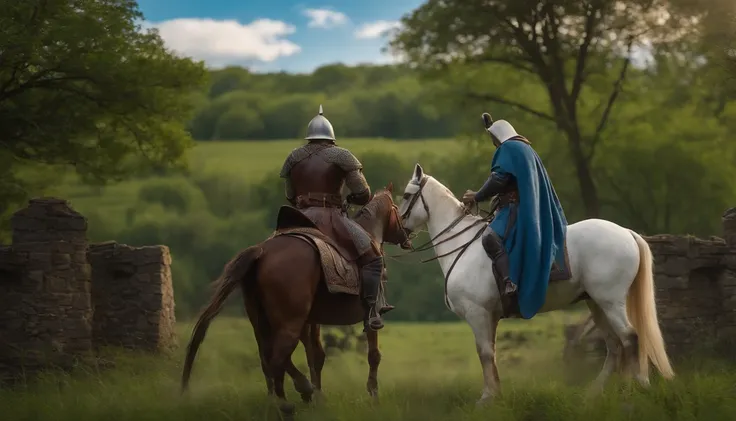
{"x": 320, "y": 128}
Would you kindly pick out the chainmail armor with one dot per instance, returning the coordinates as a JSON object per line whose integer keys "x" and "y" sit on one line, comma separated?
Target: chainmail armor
{"x": 356, "y": 182}
{"x": 360, "y": 237}
{"x": 299, "y": 154}
{"x": 341, "y": 157}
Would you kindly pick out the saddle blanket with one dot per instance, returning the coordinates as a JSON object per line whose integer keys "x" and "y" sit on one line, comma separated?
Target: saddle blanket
{"x": 340, "y": 275}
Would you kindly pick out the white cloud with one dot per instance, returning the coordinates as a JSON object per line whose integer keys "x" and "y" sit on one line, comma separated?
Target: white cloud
{"x": 223, "y": 42}
{"x": 376, "y": 29}
{"x": 325, "y": 18}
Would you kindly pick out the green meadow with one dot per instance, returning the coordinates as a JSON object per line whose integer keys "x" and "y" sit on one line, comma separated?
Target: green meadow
{"x": 238, "y": 162}
{"x": 428, "y": 372}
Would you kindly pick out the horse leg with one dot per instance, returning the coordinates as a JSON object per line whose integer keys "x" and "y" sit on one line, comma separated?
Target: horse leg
{"x": 261, "y": 332}
{"x": 374, "y": 360}
{"x": 615, "y": 313}
{"x": 613, "y": 349}
{"x": 284, "y": 342}
{"x": 318, "y": 354}
{"x": 301, "y": 383}
{"x": 484, "y": 325}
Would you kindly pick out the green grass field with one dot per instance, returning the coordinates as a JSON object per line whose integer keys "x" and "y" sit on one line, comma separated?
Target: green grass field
{"x": 428, "y": 372}
{"x": 253, "y": 159}
{"x": 242, "y": 161}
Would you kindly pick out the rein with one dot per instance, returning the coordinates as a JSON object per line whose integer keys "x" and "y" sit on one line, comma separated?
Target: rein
{"x": 430, "y": 244}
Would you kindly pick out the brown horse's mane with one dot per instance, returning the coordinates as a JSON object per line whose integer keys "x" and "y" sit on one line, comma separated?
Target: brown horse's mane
{"x": 372, "y": 211}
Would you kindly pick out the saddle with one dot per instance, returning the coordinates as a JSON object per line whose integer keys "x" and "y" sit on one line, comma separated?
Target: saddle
{"x": 340, "y": 272}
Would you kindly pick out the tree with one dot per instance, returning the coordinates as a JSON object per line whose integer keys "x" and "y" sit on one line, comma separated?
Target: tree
{"x": 568, "y": 46}
{"x": 82, "y": 84}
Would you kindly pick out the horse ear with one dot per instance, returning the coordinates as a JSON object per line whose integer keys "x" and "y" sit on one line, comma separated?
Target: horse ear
{"x": 418, "y": 172}
{"x": 390, "y": 187}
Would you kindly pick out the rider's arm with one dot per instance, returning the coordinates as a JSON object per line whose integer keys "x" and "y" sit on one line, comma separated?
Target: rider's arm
{"x": 285, "y": 172}
{"x": 289, "y": 190}
{"x": 493, "y": 185}
{"x": 360, "y": 192}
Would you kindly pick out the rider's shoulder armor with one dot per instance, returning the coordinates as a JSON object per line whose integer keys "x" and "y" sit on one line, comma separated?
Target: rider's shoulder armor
{"x": 328, "y": 152}
{"x": 341, "y": 157}
{"x": 299, "y": 154}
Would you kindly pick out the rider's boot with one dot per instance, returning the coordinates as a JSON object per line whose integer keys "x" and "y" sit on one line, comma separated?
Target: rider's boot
{"x": 370, "y": 275}
{"x": 386, "y": 307}
{"x": 493, "y": 246}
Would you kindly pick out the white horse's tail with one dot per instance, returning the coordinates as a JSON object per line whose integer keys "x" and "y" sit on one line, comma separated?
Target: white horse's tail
{"x": 642, "y": 312}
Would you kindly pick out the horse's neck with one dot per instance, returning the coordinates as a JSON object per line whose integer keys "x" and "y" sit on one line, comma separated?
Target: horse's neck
{"x": 443, "y": 215}
{"x": 372, "y": 225}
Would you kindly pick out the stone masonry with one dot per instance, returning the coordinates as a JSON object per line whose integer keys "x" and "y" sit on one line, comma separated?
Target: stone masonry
{"x": 45, "y": 306}
{"x": 133, "y": 296}
{"x": 61, "y": 298}
{"x": 695, "y": 282}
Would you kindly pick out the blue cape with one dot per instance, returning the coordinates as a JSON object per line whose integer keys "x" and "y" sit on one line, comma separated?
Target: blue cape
{"x": 538, "y": 236}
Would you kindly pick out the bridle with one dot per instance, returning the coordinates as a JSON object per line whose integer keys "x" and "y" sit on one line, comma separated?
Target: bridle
{"x": 430, "y": 244}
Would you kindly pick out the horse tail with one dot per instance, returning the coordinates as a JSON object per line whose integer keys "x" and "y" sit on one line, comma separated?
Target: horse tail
{"x": 642, "y": 312}
{"x": 234, "y": 272}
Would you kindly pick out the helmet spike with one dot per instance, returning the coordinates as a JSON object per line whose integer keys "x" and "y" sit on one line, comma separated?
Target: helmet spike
{"x": 320, "y": 110}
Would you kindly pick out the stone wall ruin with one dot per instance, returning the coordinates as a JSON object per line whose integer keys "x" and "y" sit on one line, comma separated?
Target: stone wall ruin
{"x": 695, "y": 281}
{"x": 62, "y": 298}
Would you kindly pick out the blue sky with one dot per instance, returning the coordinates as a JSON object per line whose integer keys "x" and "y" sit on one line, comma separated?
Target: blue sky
{"x": 272, "y": 35}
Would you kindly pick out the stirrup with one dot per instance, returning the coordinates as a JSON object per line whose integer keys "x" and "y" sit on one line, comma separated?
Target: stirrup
{"x": 385, "y": 309}
{"x": 373, "y": 322}
{"x": 510, "y": 288}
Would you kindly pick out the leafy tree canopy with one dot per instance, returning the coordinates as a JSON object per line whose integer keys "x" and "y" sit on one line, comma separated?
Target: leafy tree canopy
{"x": 566, "y": 47}
{"x": 81, "y": 83}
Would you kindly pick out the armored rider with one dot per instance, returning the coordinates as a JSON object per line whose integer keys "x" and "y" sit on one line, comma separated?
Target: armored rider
{"x": 315, "y": 174}
{"x": 529, "y": 225}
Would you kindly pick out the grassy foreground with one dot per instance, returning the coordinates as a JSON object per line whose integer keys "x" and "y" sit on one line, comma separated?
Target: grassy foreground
{"x": 428, "y": 372}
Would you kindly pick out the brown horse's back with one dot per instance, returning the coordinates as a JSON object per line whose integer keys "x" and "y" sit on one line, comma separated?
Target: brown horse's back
{"x": 290, "y": 285}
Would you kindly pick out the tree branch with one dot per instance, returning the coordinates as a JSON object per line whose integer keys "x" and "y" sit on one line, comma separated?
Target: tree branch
{"x": 522, "y": 107}
{"x": 579, "y": 78}
{"x": 617, "y": 88}
{"x": 516, "y": 64}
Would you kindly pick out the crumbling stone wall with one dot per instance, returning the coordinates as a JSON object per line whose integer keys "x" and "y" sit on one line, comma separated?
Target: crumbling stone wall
{"x": 45, "y": 306}
{"x": 695, "y": 281}
{"x": 60, "y": 298}
{"x": 133, "y": 296}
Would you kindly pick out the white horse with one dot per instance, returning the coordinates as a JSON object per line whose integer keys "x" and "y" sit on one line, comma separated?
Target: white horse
{"x": 611, "y": 268}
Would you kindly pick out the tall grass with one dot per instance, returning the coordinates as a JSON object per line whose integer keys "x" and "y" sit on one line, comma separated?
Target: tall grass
{"x": 428, "y": 372}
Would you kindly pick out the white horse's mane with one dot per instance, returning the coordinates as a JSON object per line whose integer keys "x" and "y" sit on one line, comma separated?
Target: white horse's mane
{"x": 442, "y": 190}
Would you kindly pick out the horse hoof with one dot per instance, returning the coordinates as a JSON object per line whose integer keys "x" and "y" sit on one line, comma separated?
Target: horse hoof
{"x": 318, "y": 397}
{"x": 374, "y": 396}
{"x": 287, "y": 410}
{"x": 483, "y": 401}
{"x": 306, "y": 397}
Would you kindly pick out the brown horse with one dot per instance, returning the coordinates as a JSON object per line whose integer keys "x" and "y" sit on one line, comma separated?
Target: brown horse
{"x": 287, "y": 299}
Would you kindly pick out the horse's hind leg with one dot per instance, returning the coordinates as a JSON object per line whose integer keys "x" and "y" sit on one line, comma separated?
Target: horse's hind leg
{"x": 613, "y": 349}
{"x": 284, "y": 343}
{"x": 615, "y": 313}
{"x": 261, "y": 332}
{"x": 318, "y": 357}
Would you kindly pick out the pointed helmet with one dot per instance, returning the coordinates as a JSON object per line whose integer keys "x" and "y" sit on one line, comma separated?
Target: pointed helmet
{"x": 320, "y": 128}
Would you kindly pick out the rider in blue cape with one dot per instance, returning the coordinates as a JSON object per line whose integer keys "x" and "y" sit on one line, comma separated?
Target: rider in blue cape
{"x": 527, "y": 233}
